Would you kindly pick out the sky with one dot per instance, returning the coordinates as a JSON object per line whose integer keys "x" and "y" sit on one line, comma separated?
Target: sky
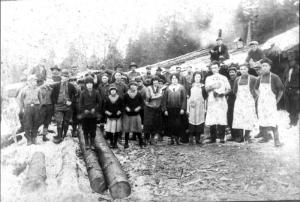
{"x": 31, "y": 29}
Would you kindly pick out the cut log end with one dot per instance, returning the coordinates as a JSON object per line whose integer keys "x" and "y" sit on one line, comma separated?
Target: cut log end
{"x": 120, "y": 190}
{"x": 98, "y": 185}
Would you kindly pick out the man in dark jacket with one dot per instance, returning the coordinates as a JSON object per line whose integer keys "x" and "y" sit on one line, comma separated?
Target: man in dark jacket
{"x": 219, "y": 52}
{"x": 62, "y": 95}
{"x": 292, "y": 89}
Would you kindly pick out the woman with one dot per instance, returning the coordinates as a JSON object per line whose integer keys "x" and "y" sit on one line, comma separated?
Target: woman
{"x": 195, "y": 109}
{"x": 244, "y": 116}
{"x": 174, "y": 107}
{"x": 152, "y": 110}
{"x": 89, "y": 105}
{"x": 113, "y": 109}
{"x": 133, "y": 103}
{"x": 217, "y": 86}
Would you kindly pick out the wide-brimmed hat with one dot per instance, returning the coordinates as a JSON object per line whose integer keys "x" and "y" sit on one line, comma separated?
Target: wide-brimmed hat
{"x": 219, "y": 38}
{"x": 55, "y": 67}
{"x": 253, "y": 43}
{"x": 133, "y": 64}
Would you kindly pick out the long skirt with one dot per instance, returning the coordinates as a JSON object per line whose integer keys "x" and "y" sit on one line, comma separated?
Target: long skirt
{"x": 113, "y": 125}
{"x": 152, "y": 120}
{"x": 132, "y": 123}
{"x": 176, "y": 123}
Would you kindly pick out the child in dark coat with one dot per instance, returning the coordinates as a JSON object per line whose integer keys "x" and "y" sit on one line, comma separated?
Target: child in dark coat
{"x": 89, "y": 103}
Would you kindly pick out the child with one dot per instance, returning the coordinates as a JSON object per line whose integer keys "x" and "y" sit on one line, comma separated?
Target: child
{"x": 195, "y": 109}
{"x": 113, "y": 109}
{"x": 133, "y": 103}
{"x": 89, "y": 103}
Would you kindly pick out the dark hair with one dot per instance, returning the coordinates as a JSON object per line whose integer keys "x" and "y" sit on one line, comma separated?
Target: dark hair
{"x": 154, "y": 79}
{"x": 193, "y": 78}
{"x": 176, "y": 75}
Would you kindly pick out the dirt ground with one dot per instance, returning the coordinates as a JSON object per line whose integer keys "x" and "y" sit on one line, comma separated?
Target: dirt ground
{"x": 214, "y": 172}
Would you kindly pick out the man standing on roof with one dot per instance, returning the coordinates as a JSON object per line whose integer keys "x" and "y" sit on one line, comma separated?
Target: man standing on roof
{"x": 255, "y": 55}
{"x": 219, "y": 52}
{"x": 133, "y": 73}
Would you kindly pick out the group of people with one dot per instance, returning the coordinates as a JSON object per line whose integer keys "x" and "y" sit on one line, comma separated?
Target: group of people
{"x": 183, "y": 107}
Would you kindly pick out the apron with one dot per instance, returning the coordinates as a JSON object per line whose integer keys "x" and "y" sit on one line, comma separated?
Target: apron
{"x": 244, "y": 116}
{"x": 267, "y": 105}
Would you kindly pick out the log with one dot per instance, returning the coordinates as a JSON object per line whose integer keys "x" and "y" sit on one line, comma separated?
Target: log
{"x": 115, "y": 177}
{"x": 9, "y": 139}
{"x": 95, "y": 174}
{"x": 36, "y": 175}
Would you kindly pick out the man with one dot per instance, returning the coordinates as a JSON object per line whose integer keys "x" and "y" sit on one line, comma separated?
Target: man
{"x": 56, "y": 71}
{"x": 133, "y": 73}
{"x": 182, "y": 79}
{"x": 189, "y": 78}
{"x": 162, "y": 77}
{"x": 119, "y": 84}
{"x": 230, "y": 100}
{"x": 30, "y": 106}
{"x": 74, "y": 71}
{"x": 269, "y": 89}
{"x": 103, "y": 91}
{"x": 292, "y": 90}
{"x": 148, "y": 77}
{"x": 62, "y": 95}
{"x": 75, "y": 106}
{"x": 255, "y": 55}
{"x": 46, "y": 110}
{"x": 219, "y": 52}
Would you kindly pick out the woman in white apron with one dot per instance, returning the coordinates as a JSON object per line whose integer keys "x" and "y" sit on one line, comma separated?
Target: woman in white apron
{"x": 195, "y": 109}
{"x": 217, "y": 86}
{"x": 244, "y": 116}
{"x": 270, "y": 90}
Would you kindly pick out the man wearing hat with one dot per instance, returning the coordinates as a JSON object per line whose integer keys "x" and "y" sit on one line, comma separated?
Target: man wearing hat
{"x": 133, "y": 73}
{"x": 62, "y": 95}
{"x": 255, "y": 55}
{"x": 147, "y": 78}
{"x": 269, "y": 89}
{"x": 162, "y": 77}
{"x": 56, "y": 71}
{"x": 30, "y": 106}
{"x": 219, "y": 52}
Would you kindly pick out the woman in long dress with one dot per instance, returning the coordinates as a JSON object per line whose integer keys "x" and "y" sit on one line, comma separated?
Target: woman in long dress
{"x": 195, "y": 109}
{"x": 174, "y": 107}
{"x": 217, "y": 86}
{"x": 244, "y": 116}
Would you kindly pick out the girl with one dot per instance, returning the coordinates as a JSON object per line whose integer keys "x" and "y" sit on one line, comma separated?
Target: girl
{"x": 244, "y": 116}
{"x": 113, "y": 109}
{"x": 89, "y": 104}
{"x": 152, "y": 110}
{"x": 133, "y": 103}
{"x": 195, "y": 109}
{"x": 174, "y": 106}
{"x": 217, "y": 86}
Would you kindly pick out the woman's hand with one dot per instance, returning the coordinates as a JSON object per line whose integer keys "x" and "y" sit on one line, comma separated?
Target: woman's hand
{"x": 127, "y": 109}
{"x": 166, "y": 113}
{"x": 119, "y": 112}
{"x": 181, "y": 112}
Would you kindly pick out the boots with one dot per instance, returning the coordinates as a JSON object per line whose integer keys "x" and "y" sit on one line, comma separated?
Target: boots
{"x": 86, "y": 140}
{"x": 133, "y": 137}
{"x": 58, "y": 139}
{"x": 115, "y": 144}
{"x": 45, "y": 132}
{"x": 111, "y": 139}
{"x": 213, "y": 134}
{"x": 239, "y": 136}
{"x": 198, "y": 139}
{"x": 28, "y": 137}
{"x": 277, "y": 143}
{"x": 191, "y": 139}
{"x": 126, "y": 140}
{"x": 65, "y": 130}
{"x": 141, "y": 143}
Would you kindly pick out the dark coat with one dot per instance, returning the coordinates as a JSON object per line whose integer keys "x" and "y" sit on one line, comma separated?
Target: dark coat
{"x": 216, "y": 55}
{"x": 55, "y": 92}
{"x": 89, "y": 101}
{"x": 114, "y": 107}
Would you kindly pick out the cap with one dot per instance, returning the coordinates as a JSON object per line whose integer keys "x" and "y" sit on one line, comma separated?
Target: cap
{"x": 253, "y": 43}
{"x": 55, "y": 67}
{"x": 133, "y": 64}
{"x": 232, "y": 69}
{"x": 159, "y": 69}
{"x": 138, "y": 79}
{"x": 266, "y": 60}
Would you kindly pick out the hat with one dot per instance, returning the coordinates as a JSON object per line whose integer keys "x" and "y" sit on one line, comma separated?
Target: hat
{"x": 148, "y": 67}
{"x": 138, "y": 79}
{"x": 89, "y": 79}
{"x": 111, "y": 87}
{"x": 253, "y": 43}
{"x": 65, "y": 73}
{"x": 219, "y": 38}
{"x": 133, "y": 64}
{"x": 232, "y": 69}
{"x": 266, "y": 60}
{"x": 55, "y": 67}
{"x": 159, "y": 69}
{"x": 105, "y": 74}
{"x": 132, "y": 83}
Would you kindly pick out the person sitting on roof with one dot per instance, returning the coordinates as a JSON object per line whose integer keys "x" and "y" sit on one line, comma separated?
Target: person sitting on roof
{"x": 255, "y": 55}
{"x": 219, "y": 52}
